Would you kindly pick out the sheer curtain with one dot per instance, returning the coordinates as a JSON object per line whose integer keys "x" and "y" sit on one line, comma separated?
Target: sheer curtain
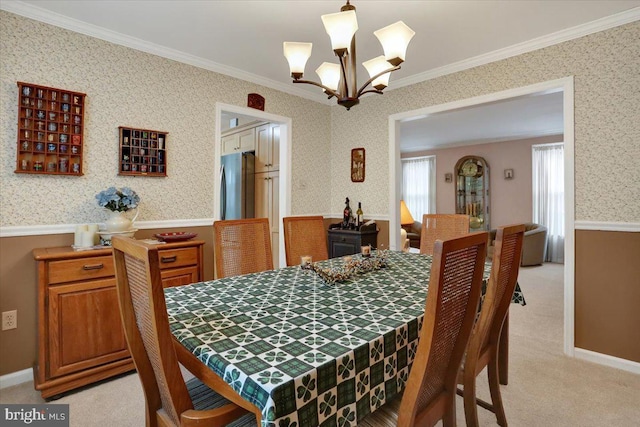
{"x": 548, "y": 196}
{"x": 419, "y": 185}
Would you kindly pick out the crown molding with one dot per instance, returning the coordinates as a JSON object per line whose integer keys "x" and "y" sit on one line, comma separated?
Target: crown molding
{"x": 75, "y": 25}
{"x": 592, "y": 27}
{"x": 52, "y": 18}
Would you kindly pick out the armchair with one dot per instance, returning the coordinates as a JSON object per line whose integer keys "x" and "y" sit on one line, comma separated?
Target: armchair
{"x": 534, "y": 244}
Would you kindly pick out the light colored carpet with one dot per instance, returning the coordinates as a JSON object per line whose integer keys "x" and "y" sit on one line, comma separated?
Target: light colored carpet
{"x": 545, "y": 387}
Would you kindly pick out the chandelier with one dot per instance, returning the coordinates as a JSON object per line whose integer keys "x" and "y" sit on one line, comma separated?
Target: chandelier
{"x": 340, "y": 80}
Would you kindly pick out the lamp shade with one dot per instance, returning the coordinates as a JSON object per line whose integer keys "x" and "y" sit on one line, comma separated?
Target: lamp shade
{"x": 376, "y": 66}
{"x": 341, "y": 27}
{"x": 329, "y": 75}
{"x": 405, "y": 215}
{"x": 297, "y": 55}
{"x": 394, "y": 39}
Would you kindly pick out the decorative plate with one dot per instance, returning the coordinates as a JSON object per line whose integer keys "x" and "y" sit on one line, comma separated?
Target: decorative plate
{"x": 175, "y": 237}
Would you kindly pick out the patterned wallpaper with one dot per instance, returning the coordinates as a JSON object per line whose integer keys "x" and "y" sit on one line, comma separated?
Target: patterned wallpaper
{"x": 126, "y": 87}
{"x": 607, "y": 126}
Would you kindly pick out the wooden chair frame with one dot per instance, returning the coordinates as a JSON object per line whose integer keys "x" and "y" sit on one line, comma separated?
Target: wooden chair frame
{"x": 485, "y": 339}
{"x": 305, "y": 235}
{"x": 146, "y": 325}
{"x": 242, "y": 246}
{"x": 442, "y": 227}
{"x": 452, "y": 303}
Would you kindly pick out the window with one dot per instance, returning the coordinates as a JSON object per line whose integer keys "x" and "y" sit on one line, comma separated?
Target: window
{"x": 548, "y": 196}
{"x": 419, "y": 185}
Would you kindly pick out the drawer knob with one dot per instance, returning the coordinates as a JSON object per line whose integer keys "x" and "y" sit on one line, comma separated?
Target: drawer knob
{"x": 168, "y": 259}
{"x": 93, "y": 267}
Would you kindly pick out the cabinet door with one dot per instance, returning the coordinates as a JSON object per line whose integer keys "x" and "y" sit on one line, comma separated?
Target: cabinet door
{"x": 230, "y": 143}
{"x": 267, "y": 194}
{"x": 84, "y": 326}
{"x": 263, "y": 135}
{"x": 247, "y": 140}
{"x": 179, "y": 276}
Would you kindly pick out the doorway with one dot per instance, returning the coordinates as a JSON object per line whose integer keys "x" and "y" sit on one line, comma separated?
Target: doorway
{"x": 566, "y": 86}
{"x": 283, "y": 183}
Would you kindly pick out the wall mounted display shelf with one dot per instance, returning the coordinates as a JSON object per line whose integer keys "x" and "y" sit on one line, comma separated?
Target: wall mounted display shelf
{"x": 142, "y": 152}
{"x": 50, "y": 130}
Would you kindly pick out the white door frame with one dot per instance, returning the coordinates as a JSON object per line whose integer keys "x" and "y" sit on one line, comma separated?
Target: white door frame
{"x": 285, "y": 163}
{"x": 566, "y": 86}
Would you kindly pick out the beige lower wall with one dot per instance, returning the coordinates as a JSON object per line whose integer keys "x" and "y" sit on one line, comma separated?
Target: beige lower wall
{"x": 607, "y": 293}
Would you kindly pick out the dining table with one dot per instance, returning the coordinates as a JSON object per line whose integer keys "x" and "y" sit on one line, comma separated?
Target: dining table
{"x": 299, "y": 350}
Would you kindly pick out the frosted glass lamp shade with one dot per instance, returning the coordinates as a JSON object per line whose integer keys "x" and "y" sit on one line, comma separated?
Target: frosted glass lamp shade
{"x": 405, "y": 215}
{"x": 341, "y": 27}
{"x": 375, "y": 66}
{"x": 329, "y": 75}
{"x": 297, "y": 55}
{"x": 394, "y": 39}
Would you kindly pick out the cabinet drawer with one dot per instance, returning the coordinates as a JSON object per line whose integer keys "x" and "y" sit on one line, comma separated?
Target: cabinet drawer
{"x": 172, "y": 258}
{"x": 80, "y": 269}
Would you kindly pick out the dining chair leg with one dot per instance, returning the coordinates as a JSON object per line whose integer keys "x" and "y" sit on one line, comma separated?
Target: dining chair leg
{"x": 469, "y": 397}
{"x": 449, "y": 417}
{"x": 503, "y": 359}
{"x": 494, "y": 388}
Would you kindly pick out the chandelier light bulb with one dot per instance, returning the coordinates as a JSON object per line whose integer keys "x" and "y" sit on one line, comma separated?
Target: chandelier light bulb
{"x": 376, "y": 66}
{"x": 341, "y": 27}
{"x": 297, "y": 55}
{"x": 394, "y": 39}
{"x": 329, "y": 75}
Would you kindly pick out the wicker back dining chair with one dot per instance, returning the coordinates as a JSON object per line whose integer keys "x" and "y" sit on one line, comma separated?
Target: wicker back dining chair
{"x": 242, "y": 246}
{"x": 441, "y": 227}
{"x": 305, "y": 235}
{"x": 485, "y": 339}
{"x": 455, "y": 286}
{"x": 169, "y": 400}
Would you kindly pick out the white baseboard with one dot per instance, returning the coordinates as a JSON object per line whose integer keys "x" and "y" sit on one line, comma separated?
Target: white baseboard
{"x": 606, "y": 360}
{"x": 16, "y": 378}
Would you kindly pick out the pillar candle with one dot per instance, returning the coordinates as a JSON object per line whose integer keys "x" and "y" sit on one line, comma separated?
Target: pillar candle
{"x": 94, "y": 229}
{"x": 77, "y": 237}
{"x": 86, "y": 238}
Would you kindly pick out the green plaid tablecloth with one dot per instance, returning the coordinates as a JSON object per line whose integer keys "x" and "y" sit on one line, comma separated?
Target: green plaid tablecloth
{"x": 304, "y": 352}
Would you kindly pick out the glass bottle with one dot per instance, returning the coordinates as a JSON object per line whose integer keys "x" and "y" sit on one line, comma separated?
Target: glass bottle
{"x": 346, "y": 215}
{"x": 359, "y": 216}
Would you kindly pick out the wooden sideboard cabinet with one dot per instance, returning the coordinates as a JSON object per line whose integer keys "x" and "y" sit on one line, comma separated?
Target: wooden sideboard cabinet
{"x": 349, "y": 242}
{"x": 80, "y": 335}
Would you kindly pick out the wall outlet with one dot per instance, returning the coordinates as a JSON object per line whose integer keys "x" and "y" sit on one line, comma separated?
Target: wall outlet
{"x": 9, "y": 319}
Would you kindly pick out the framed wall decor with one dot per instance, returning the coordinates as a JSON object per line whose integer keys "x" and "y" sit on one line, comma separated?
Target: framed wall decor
{"x": 50, "y": 130}
{"x": 448, "y": 177}
{"x": 357, "y": 165}
{"x": 256, "y": 101}
{"x": 508, "y": 174}
{"x": 142, "y": 152}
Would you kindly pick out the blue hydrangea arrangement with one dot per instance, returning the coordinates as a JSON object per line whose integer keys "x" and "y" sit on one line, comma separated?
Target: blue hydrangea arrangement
{"x": 118, "y": 199}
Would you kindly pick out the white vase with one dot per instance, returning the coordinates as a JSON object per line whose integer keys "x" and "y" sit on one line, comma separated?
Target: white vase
{"x": 119, "y": 222}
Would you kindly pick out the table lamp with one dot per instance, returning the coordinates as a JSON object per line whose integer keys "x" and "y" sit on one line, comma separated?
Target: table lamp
{"x": 405, "y": 219}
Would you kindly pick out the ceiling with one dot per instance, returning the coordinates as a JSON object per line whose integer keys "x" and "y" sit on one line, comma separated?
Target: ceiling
{"x": 244, "y": 38}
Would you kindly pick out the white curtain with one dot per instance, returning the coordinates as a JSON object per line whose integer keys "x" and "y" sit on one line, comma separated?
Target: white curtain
{"x": 548, "y": 196}
{"x": 419, "y": 185}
